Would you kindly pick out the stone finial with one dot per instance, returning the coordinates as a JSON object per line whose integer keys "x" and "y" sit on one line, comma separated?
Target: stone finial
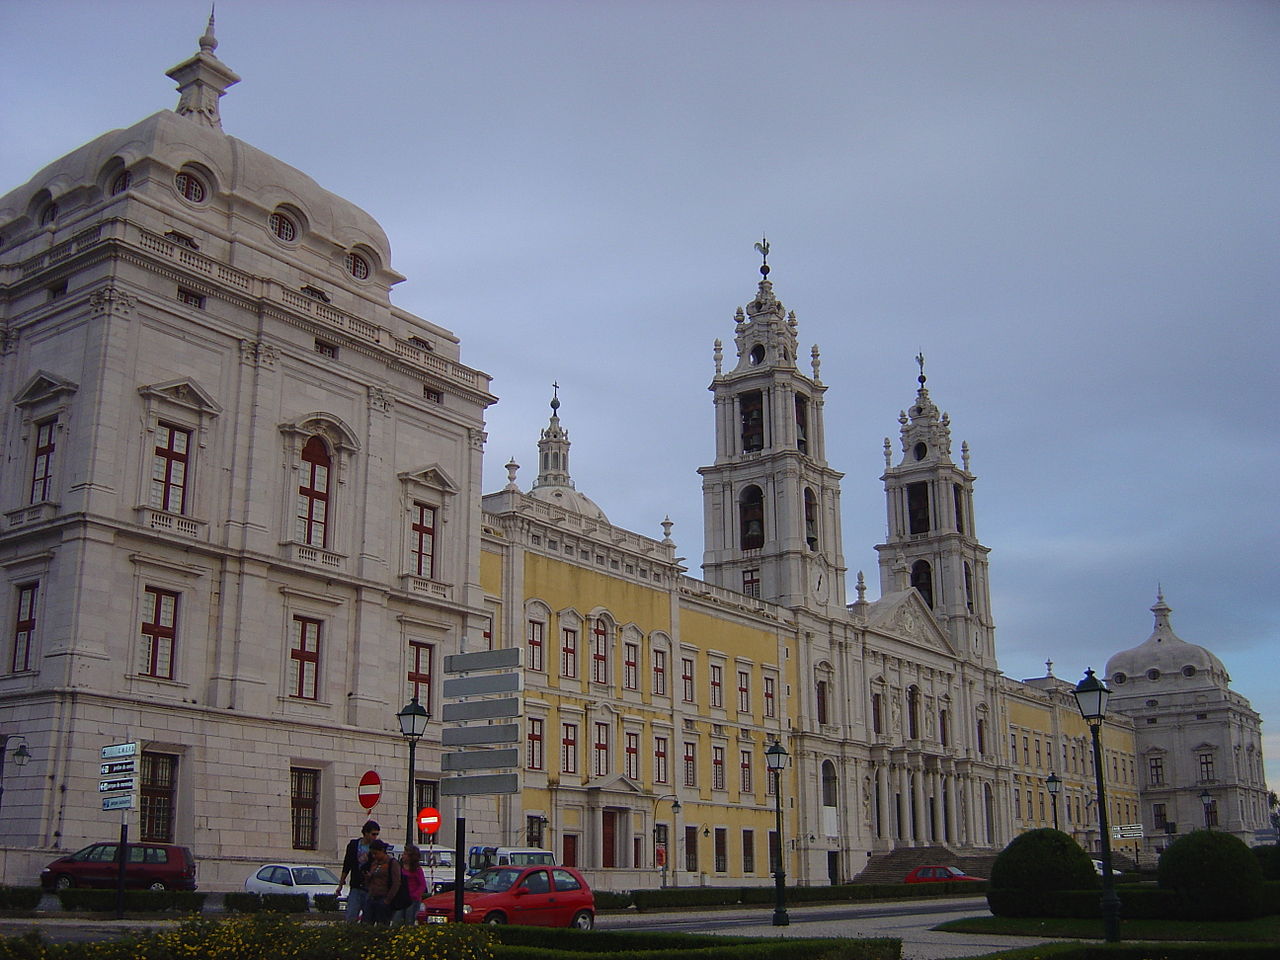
{"x": 208, "y": 42}
{"x": 512, "y": 469}
{"x": 1048, "y": 666}
{"x": 861, "y": 588}
{"x": 964, "y": 455}
{"x": 718, "y": 352}
{"x": 202, "y": 81}
{"x": 791, "y": 320}
{"x": 815, "y": 360}
{"x": 888, "y": 453}
{"x": 667, "y": 524}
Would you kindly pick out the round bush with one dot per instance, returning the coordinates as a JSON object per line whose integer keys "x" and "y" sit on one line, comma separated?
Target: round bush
{"x": 1033, "y": 869}
{"x": 1269, "y": 860}
{"x": 1215, "y": 876}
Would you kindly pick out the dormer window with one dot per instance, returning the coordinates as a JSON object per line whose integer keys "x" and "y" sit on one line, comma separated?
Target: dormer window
{"x": 49, "y": 214}
{"x": 183, "y": 239}
{"x": 315, "y": 293}
{"x": 357, "y": 266}
{"x": 121, "y": 183}
{"x": 283, "y": 227}
{"x": 190, "y": 187}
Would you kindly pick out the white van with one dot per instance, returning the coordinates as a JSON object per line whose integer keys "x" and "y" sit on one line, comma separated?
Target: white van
{"x": 478, "y": 858}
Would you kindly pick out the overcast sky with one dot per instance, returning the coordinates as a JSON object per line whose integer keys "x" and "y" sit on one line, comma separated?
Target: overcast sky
{"x": 1070, "y": 207}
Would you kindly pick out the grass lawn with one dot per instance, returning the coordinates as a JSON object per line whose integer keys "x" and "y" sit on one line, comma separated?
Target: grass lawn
{"x": 1264, "y": 929}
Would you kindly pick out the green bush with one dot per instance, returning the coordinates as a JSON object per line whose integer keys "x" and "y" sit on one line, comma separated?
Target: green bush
{"x": 326, "y": 902}
{"x": 242, "y": 902}
{"x": 20, "y": 898}
{"x": 1269, "y": 860}
{"x": 1215, "y": 876}
{"x": 1033, "y": 870}
{"x": 135, "y": 901}
{"x": 286, "y": 902}
{"x": 613, "y": 899}
{"x": 543, "y": 943}
{"x": 684, "y": 897}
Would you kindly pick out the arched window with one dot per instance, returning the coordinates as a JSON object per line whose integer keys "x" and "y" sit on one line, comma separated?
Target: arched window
{"x": 810, "y": 519}
{"x": 121, "y": 183}
{"x": 190, "y": 187}
{"x": 957, "y": 496}
{"x": 828, "y": 783}
{"x": 877, "y": 713}
{"x": 751, "y": 412}
{"x": 922, "y": 580}
{"x": 802, "y": 423}
{"x": 913, "y": 712}
{"x": 311, "y": 525}
{"x": 968, "y": 586}
{"x": 751, "y": 518}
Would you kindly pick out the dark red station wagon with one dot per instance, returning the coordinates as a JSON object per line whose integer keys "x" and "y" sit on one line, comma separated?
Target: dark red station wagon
{"x": 153, "y": 866}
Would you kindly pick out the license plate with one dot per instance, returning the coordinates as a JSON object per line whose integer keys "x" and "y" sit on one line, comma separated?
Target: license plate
{"x": 435, "y": 918}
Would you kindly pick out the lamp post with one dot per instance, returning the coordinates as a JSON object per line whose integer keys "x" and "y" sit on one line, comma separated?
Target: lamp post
{"x": 666, "y": 851}
{"x": 1091, "y": 697}
{"x": 1206, "y": 798}
{"x": 775, "y": 758}
{"x": 20, "y": 756}
{"x": 1054, "y": 783}
{"x": 413, "y": 719}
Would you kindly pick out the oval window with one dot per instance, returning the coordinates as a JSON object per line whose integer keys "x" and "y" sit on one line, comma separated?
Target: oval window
{"x": 1119, "y": 678}
{"x": 757, "y": 355}
{"x": 190, "y": 187}
{"x": 1188, "y": 671}
{"x": 1153, "y": 674}
{"x": 357, "y": 266}
{"x": 283, "y": 227}
{"x": 121, "y": 183}
{"x": 920, "y": 451}
{"x": 49, "y": 214}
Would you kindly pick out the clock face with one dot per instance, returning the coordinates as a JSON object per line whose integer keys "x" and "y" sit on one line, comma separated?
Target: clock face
{"x": 820, "y": 581}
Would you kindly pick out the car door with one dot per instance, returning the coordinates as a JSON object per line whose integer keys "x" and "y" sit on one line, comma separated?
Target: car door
{"x": 568, "y": 898}
{"x": 98, "y": 868}
{"x": 531, "y": 899}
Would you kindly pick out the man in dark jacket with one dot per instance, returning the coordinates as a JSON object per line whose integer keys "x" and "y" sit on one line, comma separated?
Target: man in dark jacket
{"x": 354, "y": 862}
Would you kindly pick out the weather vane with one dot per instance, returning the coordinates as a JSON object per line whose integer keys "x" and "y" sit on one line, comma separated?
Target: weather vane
{"x": 762, "y": 248}
{"x": 920, "y": 360}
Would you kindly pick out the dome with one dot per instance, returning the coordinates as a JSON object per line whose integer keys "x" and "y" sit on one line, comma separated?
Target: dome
{"x": 569, "y": 499}
{"x": 1163, "y": 655}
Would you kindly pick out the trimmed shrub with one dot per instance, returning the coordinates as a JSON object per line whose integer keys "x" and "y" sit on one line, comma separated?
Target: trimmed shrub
{"x": 1031, "y": 873}
{"x": 242, "y": 901}
{"x": 1215, "y": 876}
{"x": 613, "y": 899}
{"x": 326, "y": 902}
{"x": 543, "y": 943}
{"x": 1269, "y": 860}
{"x": 286, "y": 902}
{"x": 135, "y": 901}
{"x": 20, "y": 898}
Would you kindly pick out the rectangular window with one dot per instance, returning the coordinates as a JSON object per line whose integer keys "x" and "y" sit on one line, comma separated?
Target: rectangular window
{"x": 745, "y": 760}
{"x": 770, "y": 699}
{"x": 601, "y": 752}
{"x": 690, "y": 764}
{"x": 775, "y": 852}
{"x": 159, "y": 634}
{"x": 190, "y": 298}
{"x": 421, "y": 661}
{"x": 918, "y": 507}
{"x": 1026, "y": 751}
{"x": 24, "y": 627}
{"x": 304, "y": 659}
{"x": 717, "y": 685}
{"x": 1037, "y": 753}
{"x": 744, "y": 692}
{"x": 820, "y": 694}
{"x": 691, "y": 849}
{"x": 630, "y": 666}
{"x": 877, "y": 713}
{"x": 42, "y": 466}
{"x": 568, "y": 748}
{"x": 326, "y": 349}
{"x": 721, "y": 839}
{"x": 686, "y": 679}
{"x": 1157, "y": 771}
{"x": 771, "y": 782}
{"x": 659, "y": 673}
{"x": 304, "y": 807}
{"x": 632, "y": 757}
{"x": 751, "y": 582}
{"x": 569, "y": 654}
{"x": 533, "y": 746}
{"x": 748, "y": 851}
{"x": 1017, "y": 804}
{"x": 169, "y": 469}
{"x": 1159, "y": 817}
{"x": 422, "y": 540}
{"x": 158, "y": 795}
{"x": 600, "y": 652}
{"x": 1206, "y": 766}
{"x": 660, "y": 760}
{"x": 717, "y": 768}
{"x": 311, "y": 520}
{"x": 537, "y": 631}
{"x": 751, "y": 409}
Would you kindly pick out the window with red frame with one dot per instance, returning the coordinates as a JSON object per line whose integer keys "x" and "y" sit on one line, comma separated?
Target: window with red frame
{"x": 660, "y": 760}
{"x": 569, "y": 653}
{"x": 568, "y": 748}
{"x": 690, "y": 764}
{"x": 536, "y": 634}
{"x": 745, "y": 760}
{"x": 600, "y": 766}
{"x": 770, "y": 699}
{"x": 423, "y": 540}
{"x": 24, "y": 627}
{"x": 159, "y": 632}
{"x": 686, "y": 679}
{"x": 42, "y": 466}
{"x": 533, "y": 748}
{"x": 717, "y": 768}
{"x": 631, "y": 756}
{"x": 744, "y": 692}
{"x": 169, "y": 469}
{"x": 312, "y": 520}
{"x": 304, "y": 659}
{"x": 751, "y": 582}
{"x": 630, "y": 666}
{"x": 421, "y": 662}
{"x": 717, "y": 685}
{"x": 659, "y": 673}
{"x": 600, "y": 652}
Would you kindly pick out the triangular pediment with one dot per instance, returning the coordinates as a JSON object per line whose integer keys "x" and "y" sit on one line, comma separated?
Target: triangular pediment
{"x": 184, "y": 392}
{"x": 905, "y": 615}
{"x": 431, "y": 475}
{"x": 42, "y": 387}
{"x": 617, "y": 783}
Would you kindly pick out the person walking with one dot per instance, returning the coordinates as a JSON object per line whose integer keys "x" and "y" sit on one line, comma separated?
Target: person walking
{"x": 413, "y": 886}
{"x": 354, "y": 863}
{"x": 382, "y": 883}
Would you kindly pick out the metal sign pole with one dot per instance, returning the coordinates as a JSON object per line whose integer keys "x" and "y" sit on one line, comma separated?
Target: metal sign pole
{"x": 459, "y": 865}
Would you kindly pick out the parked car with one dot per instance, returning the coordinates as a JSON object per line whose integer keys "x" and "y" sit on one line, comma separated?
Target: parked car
{"x": 153, "y": 866}
{"x": 1097, "y": 867}
{"x": 936, "y": 873}
{"x": 305, "y": 878}
{"x": 478, "y": 858}
{"x": 537, "y": 896}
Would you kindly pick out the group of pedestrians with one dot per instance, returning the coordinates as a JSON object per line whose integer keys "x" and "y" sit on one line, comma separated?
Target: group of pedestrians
{"x": 382, "y": 890}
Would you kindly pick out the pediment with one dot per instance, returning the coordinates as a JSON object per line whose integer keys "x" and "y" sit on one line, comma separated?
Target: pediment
{"x": 184, "y": 392}
{"x": 904, "y": 615}
{"x": 42, "y": 387}
{"x": 617, "y": 783}
{"x": 431, "y": 475}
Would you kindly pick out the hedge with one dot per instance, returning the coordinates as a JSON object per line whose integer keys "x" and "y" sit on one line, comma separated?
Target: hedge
{"x": 20, "y": 898}
{"x": 542, "y": 943}
{"x": 135, "y": 901}
{"x": 727, "y": 896}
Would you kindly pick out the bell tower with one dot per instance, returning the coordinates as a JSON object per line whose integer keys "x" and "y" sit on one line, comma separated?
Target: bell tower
{"x": 932, "y": 544}
{"x": 771, "y": 504}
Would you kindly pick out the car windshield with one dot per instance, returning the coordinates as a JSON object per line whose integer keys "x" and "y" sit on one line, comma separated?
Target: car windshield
{"x": 493, "y": 880}
{"x": 956, "y": 872}
{"x": 314, "y": 875}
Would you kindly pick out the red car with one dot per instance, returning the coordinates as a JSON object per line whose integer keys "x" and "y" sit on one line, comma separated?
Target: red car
{"x": 934, "y": 873}
{"x": 537, "y": 896}
{"x": 154, "y": 866}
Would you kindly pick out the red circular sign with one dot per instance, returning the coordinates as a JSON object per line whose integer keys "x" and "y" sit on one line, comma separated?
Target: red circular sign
{"x": 428, "y": 819}
{"x": 370, "y": 789}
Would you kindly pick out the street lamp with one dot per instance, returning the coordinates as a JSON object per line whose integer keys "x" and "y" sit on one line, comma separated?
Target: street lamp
{"x": 1091, "y": 697}
{"x": 413, "y": 719}
{"x": 1054, "y": 783}
{"x": 20, "y": 756}
{"x": 1206, "y": 798}
{"x": 666, "y": 851}
{"x": 775, "y": 758}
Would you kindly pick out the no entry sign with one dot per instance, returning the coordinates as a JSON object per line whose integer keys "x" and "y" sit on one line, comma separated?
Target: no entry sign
{"x": 428, "y": 819}
{"x": 370, "y": 789}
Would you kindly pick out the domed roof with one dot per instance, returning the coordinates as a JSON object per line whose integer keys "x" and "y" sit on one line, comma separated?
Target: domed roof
{"x": 1163, "y": 655}
{"x": 554, "y": 485}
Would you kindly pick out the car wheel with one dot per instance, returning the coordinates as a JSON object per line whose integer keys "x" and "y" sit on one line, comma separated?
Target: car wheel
{"x": 495, "y": 919}
{"x": 158, "y": 885}
{"x": 63, "y": 882}
{"x": 583, "y": 920}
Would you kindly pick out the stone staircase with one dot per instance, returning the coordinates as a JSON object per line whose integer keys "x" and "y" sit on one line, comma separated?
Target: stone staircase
{"x": 893, "y": 866}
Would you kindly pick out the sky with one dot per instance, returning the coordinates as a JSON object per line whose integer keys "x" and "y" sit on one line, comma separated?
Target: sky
{"x": 1069, "y": 207}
